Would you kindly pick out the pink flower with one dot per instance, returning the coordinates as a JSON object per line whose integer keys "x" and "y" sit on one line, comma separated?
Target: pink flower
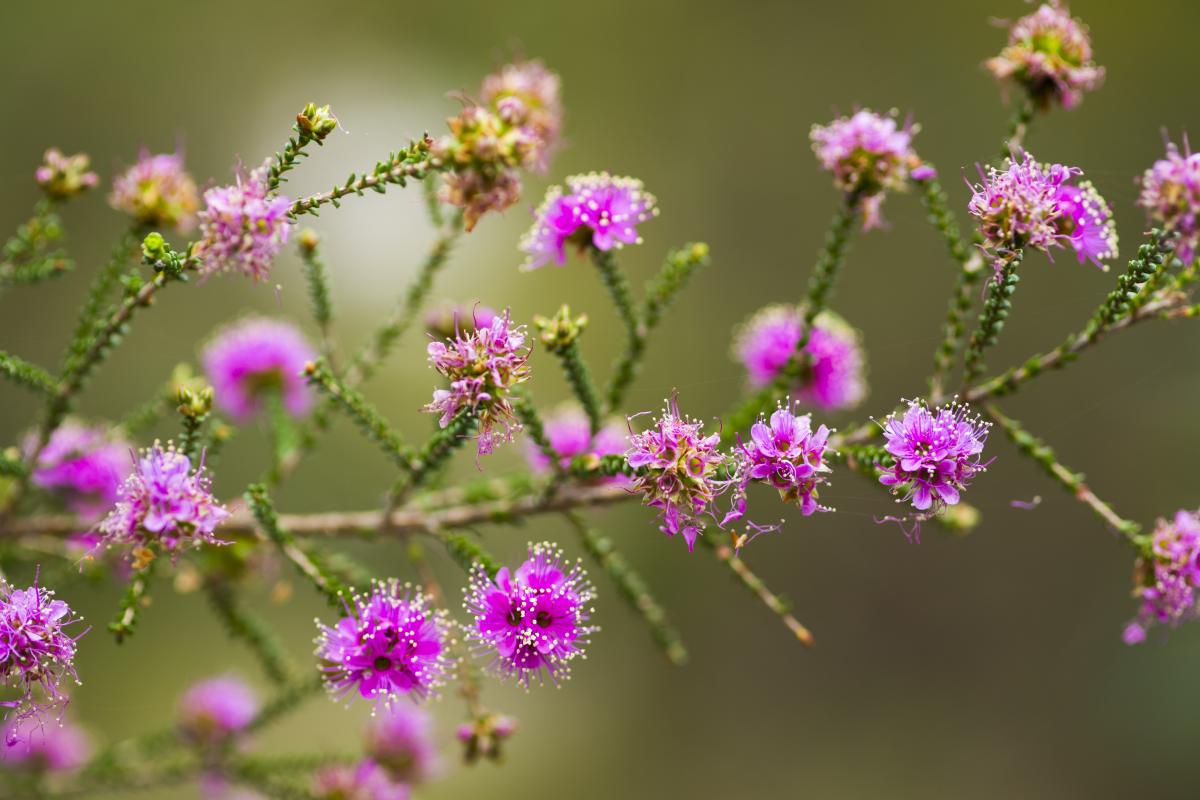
{"x": 243, "y": 227}
{"x": 253, "y": 359}
{"x": 157, "y": 191}
{"x": 1050, "y": 56}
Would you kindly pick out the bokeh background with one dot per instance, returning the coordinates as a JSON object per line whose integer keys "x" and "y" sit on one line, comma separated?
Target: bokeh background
{"x": 988, "y": 666}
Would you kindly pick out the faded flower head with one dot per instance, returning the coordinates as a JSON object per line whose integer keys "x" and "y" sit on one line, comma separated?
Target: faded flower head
{"x": 785, "y": 452}
{"x": 215, "y": 710}
{"x": 1028, "y": 204}
{"x": 534, "y": 621}
{"x": 447, "y": 319}
{"x": 164, "y": 503}
{"x": 570, "y": 434}
{"x": 243, "y": 227}
{"x": 392, "y": 642}
{"x": 870, "y": 154}
{"x": 527, "y": 95}
{"x": 36, "y": 654}
{"x": 936, "y": 453}
{"x": 400, "y": 739}
{"x": 258, "y": 360}
{"x": 63, "y": 177}
{"x": 157, "y": 191}
{"x": 82, "y": 465}
{"x": 834, "y": 378}
{"x": 1049, "y": 55}
{"x": 1168, "y": 577}
{"x": 58, "y": 746}
{"x": 483, "y": 367}
{"x": 679, "y": 468}
{"x": 1171, "y": 196}
{"x": 597, "y": 210}
{"x": 365, "y": 781}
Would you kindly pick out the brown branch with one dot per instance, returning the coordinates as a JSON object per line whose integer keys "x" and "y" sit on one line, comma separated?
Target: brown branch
{"x": 350, "y": 523}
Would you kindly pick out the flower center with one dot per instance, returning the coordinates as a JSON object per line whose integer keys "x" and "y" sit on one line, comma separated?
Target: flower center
{"x": 382, "y": 663}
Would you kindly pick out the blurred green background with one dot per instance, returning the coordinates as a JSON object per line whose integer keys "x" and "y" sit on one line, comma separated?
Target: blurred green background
{"x": 986, "y": 667}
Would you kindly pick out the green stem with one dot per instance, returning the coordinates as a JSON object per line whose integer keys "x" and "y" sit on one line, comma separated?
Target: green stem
{"x": 242, "y": 624}
{"x": 135, "y": 593}
{"x": 1033, "y": 447}
{"x": 29, "y": 375}
{"x": 444, "y": 442}
{"x": 1018, "y": 128}
{"x": 105, "y": 282}
{"x": 755, "y": 585}
{"x": 362, "y": 413}
{"x": 317, "y": 277}
{"x": 579, "y": 378}
{"x": 991, "y": 320}
{"x": 412, "y": 162}
{"x": 660, "y": 292}
{"x": 632, "y": 588}
{"x": 305, "y": 562}
{"x": 820, "y": 285}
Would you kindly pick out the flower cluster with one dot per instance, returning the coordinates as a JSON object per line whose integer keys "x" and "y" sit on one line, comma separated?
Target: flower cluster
{"x": 164, "y": 502}
{"x": 936, "y": 453}
{"x": 868, "y": 154}
{"x": 484, "y": 737}
{"x": 570, "y": 435}
{"x": 1050, "y": 56}
{"x": 1169, "y": 576}
{"x": 157, "y": 191}
{"x": 400, "y": 740}
{"x": 216, "y": 710}
{"x": 1028, "y": 204}
{"x": 535, "y": 619}
{"x": 391, "y": 643}
{"x": 527, "y": 95}
{"x": 36, "y": 652}
{"x": 516, "y": 128}
{"x": 63, "y": 177}
{"x": 364, "y": 781}
{"x": 243, "y": 227}
{"x": 483, "y": 367}
{"x": 259, "y": 360}
{"x": 81, "y": 465}
{"x": 679, "y": 472}
{"x": 788, "y": 454}
{"x": 597, "y": 210}
{"x": 60, "y": 748}
{"x": 834, "y": 376}
{"x": 1171, "y": 196}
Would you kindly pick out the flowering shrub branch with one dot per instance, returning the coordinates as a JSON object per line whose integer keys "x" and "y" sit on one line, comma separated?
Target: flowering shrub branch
{"x": 69, "y": 495}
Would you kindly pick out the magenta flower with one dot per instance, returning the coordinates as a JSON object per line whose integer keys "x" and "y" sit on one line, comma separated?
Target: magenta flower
{"x": 527, "y": 95}
{"x": 243, "y": 227}
{"x": 788, "y": 454}
{"x": 1028, "y": 204}
{"x": 216, "y": 710}
{"x": 1171, "y": 196}
{"x": 82, "y": 466}
{"x": 391, "y": 643}
{"x": 1168, "y": 576}
{"x": 400, "y": 739}
{"x": 534, "y": 621}
{"x": 1049, "y": 55}
{"x": 483, "y": 367}
{"x": 57, "y": 747}
{"x": 597, "y": 210}
{"x": 936, "y": 453}
{"x": 678, "y": 466}
{"x": 157, "y": 191}
{"x": 570, "y": 435}
{"x": 254, "y": 360}
{"x": 36, "y": 654}
{"x": 1087, "y": 223}
{"x": 63, "y": 177}
{"x": 164, "y": 502}
{"x": 365, "y": 781}
{"x": 869, "y": 154}
{"x": 834, "y": 378}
